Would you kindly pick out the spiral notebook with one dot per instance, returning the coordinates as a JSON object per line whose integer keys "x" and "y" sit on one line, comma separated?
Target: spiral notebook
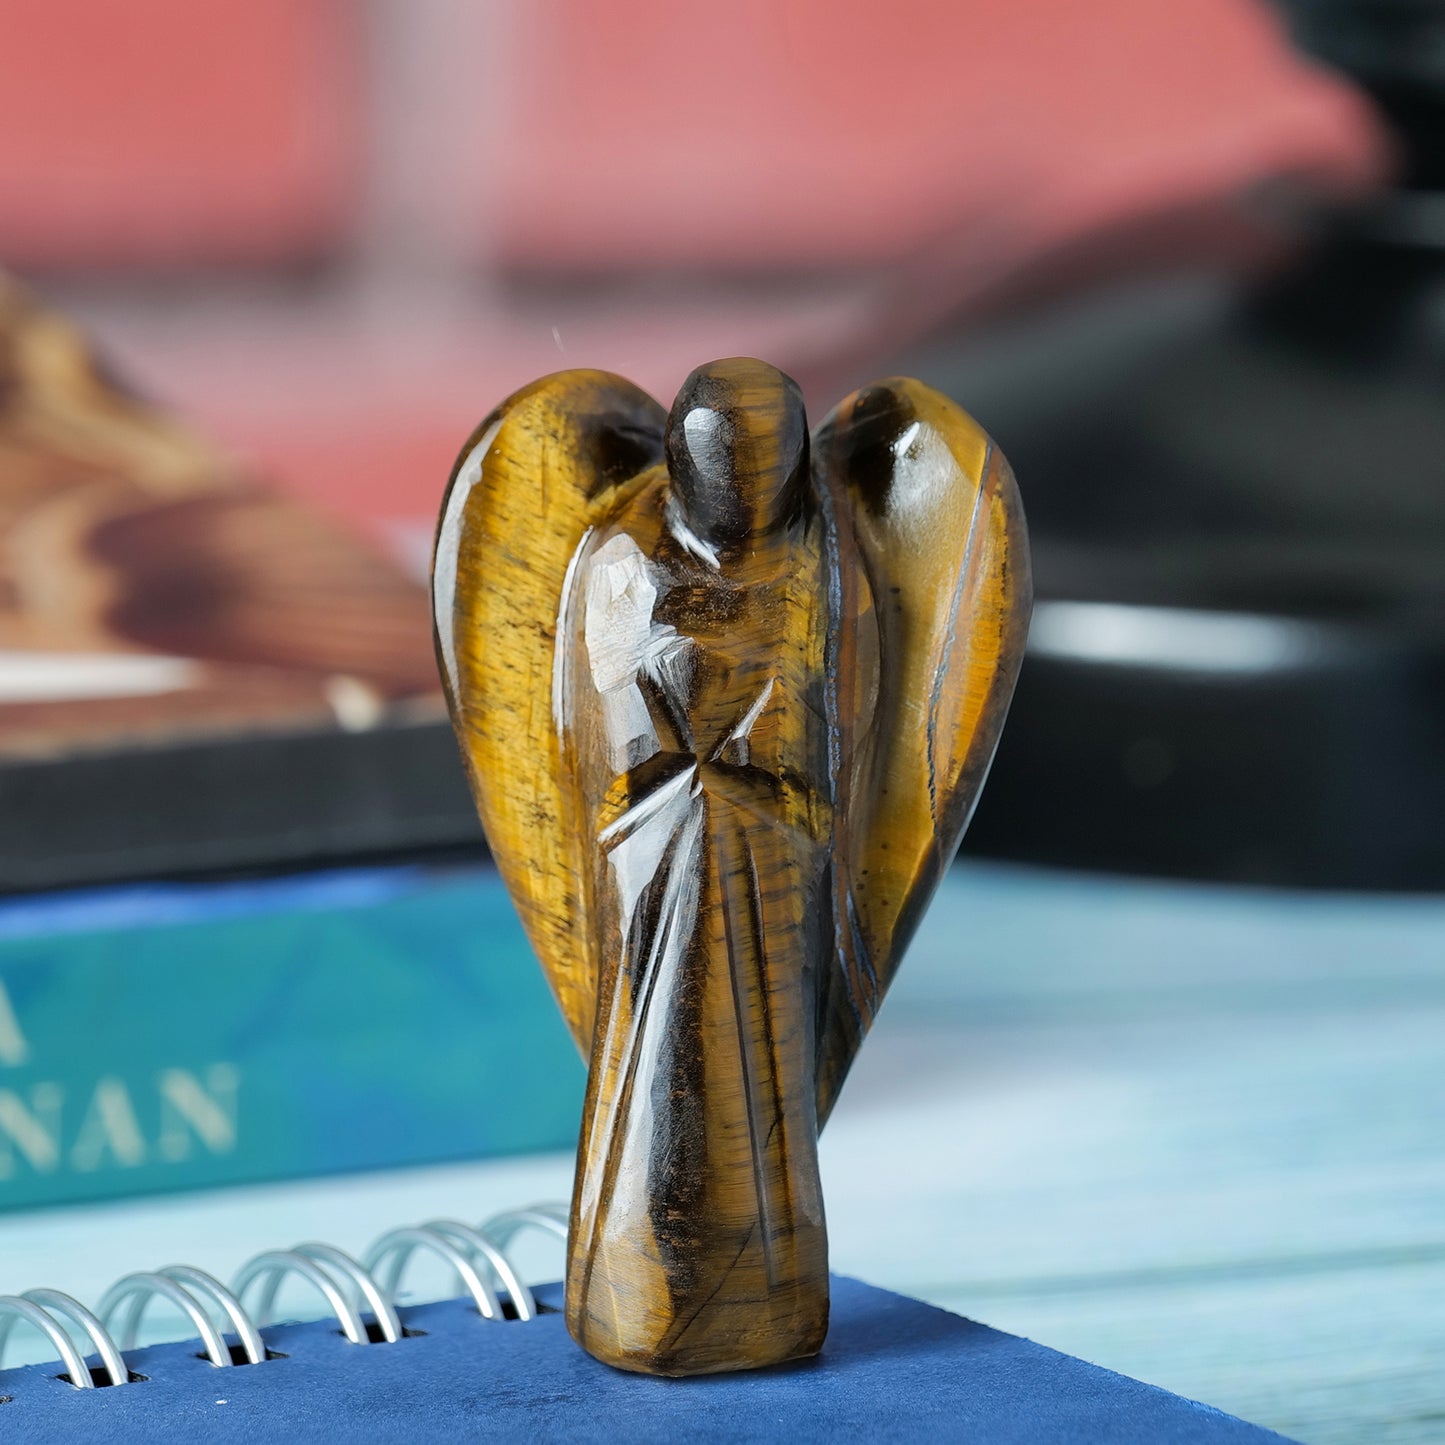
{"x": 498, "y": 1363}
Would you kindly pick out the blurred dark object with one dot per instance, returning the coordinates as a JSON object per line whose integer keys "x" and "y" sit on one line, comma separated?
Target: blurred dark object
{"x": 195, "y": 672}
{"x": 1237, "y": 493}
{"x": 1395, "y": 51}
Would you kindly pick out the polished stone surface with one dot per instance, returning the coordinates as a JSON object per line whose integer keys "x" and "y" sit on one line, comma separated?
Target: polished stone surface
{"x": 727, "y": 695}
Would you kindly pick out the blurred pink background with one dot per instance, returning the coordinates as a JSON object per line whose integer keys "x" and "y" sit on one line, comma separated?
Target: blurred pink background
{"x": 336, "y": 234}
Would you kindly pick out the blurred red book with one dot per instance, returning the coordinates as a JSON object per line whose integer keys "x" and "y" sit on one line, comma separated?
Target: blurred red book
{"x": 331, "y": 202}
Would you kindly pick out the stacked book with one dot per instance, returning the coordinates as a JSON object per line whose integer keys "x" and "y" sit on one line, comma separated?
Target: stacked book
{"x": 220, "y": 728}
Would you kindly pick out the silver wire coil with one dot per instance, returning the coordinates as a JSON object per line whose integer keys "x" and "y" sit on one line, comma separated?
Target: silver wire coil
{"x": 476, "y": 1255}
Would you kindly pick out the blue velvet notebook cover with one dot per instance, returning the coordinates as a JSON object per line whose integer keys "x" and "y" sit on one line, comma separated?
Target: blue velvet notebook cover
{"x": 892, "y": 1370}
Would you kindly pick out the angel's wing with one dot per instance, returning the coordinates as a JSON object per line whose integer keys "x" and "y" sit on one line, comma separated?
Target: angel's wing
{"x": 545, "y": 466}
{"x": 937, "y": 521}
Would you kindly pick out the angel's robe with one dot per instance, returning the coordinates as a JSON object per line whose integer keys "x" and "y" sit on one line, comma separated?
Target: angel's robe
{"x": 708, "y": 773}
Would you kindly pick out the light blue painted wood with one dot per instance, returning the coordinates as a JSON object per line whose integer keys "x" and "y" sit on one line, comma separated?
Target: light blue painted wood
{"x": 1194, "y": 1134}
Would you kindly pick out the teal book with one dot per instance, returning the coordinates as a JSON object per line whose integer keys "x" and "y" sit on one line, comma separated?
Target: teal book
{"x": 171, "y": 1036}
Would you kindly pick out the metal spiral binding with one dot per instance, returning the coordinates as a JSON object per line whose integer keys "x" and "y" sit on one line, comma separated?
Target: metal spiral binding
{"x": 477, "y": 1256}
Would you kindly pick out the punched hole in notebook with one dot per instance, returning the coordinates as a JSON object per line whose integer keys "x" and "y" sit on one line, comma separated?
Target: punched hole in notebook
{"x": 239, "y": 1357}
{"x": 99, "y": 1377}
{"x": 375, "y": 1334}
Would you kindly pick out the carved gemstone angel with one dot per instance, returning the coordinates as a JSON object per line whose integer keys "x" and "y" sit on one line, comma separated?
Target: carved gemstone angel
{"x": 726, "y": 698}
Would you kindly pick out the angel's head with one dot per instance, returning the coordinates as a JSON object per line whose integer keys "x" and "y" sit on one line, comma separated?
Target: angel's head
{"x": 737, "y": 450}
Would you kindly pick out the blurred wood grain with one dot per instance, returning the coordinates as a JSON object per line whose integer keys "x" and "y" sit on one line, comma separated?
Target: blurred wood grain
{"x": 122, "y": 534}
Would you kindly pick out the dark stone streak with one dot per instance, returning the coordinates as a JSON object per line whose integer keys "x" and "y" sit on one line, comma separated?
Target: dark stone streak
{"x": 678, "y": 1177}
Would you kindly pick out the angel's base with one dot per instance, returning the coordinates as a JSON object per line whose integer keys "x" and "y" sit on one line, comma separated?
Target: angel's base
{"x": 752, "y": 1336}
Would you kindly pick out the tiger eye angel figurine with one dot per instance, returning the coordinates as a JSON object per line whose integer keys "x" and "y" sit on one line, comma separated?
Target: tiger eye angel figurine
{"x": 726, "y": 696}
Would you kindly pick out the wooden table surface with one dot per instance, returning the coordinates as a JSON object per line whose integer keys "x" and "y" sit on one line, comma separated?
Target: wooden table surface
{"x": 1194, "y": 1134}
{"x": 1191, "y": 1133}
